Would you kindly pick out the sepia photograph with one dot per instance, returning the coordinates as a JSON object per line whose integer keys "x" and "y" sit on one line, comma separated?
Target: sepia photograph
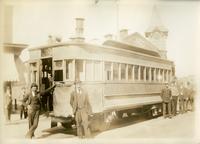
{"x": 100, "y": 71}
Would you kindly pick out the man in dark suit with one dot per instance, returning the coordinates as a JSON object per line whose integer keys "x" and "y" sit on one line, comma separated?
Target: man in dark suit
{"x": 33, "y": 103}
{"x": 166, "y": 96}
{"x": 82, "y": 109}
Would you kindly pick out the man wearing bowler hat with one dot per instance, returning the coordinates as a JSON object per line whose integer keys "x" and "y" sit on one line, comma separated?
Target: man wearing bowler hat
{"x": 82, "y": 109}
{"x": 33, "y": 103}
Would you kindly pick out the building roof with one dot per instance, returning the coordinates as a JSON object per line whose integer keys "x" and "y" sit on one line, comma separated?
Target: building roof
{"x": 13, "y": 66}
{"x": 14, "y": 48}
{"x": 126, "y": 46}
{"x": 156, "y": 22}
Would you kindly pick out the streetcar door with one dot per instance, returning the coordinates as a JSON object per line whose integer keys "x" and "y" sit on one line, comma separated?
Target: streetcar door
{"x": 46, "y": 82}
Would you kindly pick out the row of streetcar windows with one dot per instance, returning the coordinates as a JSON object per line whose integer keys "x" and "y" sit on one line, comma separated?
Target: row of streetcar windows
{"x": 89, "y": 70}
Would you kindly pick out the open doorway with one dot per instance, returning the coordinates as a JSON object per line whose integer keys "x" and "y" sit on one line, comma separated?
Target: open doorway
{"x": 46, "y": 82}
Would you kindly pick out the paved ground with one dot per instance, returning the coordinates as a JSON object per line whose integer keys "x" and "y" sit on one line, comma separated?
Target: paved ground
{"x": 179, "y": 127}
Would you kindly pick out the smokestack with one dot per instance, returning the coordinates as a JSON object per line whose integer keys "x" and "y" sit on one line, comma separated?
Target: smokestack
{"x": 108, "y": 37}
{"x": 79, "y": 27}
{"x": 79, "y": 30}
{"x": 123, "y": 33}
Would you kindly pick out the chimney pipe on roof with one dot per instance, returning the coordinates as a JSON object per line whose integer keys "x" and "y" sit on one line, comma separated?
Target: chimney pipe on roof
{"x": 108, "y": 37}
{"x": 123, "y": 33}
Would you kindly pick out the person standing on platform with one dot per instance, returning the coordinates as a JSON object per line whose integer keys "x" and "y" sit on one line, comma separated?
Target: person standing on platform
{"x": 186, "y": 92}
{"x": 8, "y": 103}
{"x": 82, "y": 109}
{"x": 181, "y": 100}
{"x": 175, "y": 95}
{"x": 33, "y": 102}
{"x": 166, "y": 96}
{"x": 23, "y": 109}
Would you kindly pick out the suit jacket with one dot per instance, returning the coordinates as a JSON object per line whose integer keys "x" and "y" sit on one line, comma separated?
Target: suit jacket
{"x": 35, "y": 101}
{"x": 80, "y": 101}
{"x": 166, "y": 95}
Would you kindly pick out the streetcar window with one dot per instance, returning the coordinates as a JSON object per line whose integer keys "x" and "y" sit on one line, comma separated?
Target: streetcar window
{"x": 58, "y": 64}
{"x": 58, "y": 75}
{"x": 136, "y": 73}
{"x": 33, "y": 66}
{"x": 34, "y": 76}
{"x": 107, "y": 69}
{"x": 79, "y": 70}
{"x": 165, "y": 75}
{"x": 152, "y": 74}
{"x": 161, "y": 75}
{"x": 147, "y": 73}
{"x": 89, "y": 70}
{"x": 130, "y": 72}
{"x": 97, "y": 70}
{"x": 142, "y": 73}
{"x": 115, "y": 71}
{"x": 157, "y": 75}
{"x": 68, "y": 69}
{"x": 123, "y": 71}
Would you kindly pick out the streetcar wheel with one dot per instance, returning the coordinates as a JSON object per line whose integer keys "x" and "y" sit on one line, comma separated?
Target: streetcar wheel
{"x": 120, "y": 114}
{"x": 53, "y": 124}
{"x": 66, "y": 125}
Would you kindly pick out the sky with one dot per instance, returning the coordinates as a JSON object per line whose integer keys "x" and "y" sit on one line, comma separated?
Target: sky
{"x": 33, "y": 21}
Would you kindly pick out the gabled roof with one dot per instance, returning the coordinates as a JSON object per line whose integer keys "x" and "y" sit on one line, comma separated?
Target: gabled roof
{"x": 138, "y": 40}
{"x": 121, "y": 45}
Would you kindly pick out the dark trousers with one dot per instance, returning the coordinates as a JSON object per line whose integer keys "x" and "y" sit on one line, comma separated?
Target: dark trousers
{"x": 190, "y": 104}
{"x": 82, "y": 123}
{"x": 185, "y": 105}
{"x": 181, "y": 105}
{"x": 174, "y": 105}
{"x": 167, "y": 109}
{"x": 23, "y": 111}
{"x": 8, "y": 112}
{"x": 33, "y": 118}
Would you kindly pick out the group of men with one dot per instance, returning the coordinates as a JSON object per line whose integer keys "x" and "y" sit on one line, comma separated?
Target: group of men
{"x": 79, "y": 101}
{"x": 177, "y": 99}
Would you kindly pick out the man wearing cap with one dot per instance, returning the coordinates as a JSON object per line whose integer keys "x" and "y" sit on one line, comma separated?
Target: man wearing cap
{"x": 82, "y": 109}
{"x": 33, "y": 103}
{"x": 166, "y": 96}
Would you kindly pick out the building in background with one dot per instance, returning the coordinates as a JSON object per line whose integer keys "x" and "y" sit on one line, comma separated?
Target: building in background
{"x": 13, "y": 69}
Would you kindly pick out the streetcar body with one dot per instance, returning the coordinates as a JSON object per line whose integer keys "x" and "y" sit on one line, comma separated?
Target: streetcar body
{"x": 117, "y": 76}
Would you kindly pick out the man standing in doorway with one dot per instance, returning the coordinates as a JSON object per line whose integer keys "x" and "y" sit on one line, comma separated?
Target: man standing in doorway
{"x": 82, "y": 109}
{"x": 166, "y": 96}
{"x": 33, "y": 102}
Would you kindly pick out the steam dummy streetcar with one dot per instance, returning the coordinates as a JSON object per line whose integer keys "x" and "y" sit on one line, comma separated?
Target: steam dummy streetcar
{"x": 120, "y": 76}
